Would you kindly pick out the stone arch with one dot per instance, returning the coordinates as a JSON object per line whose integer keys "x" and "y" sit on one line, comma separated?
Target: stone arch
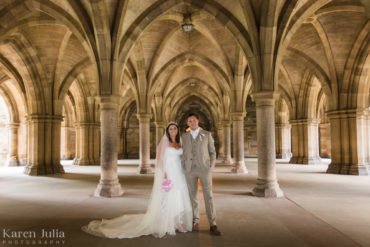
{"x": 204, "y": 32}
{"x": 14, "y": 116}
{"x": 207, "y": 120}
{"x": 30, "y": 70}
{"x": 181, "y": 61}
{"x": 356, "y": 82}
{"x": 219, "y": 12}
{"x": 184, "y": 98}
{"x": 62, "y": 17}
{"x": 324, "y": 126}
{"x": 288, "y": 29}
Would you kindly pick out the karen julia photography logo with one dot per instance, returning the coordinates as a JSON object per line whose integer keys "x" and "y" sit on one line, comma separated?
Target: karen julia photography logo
{"x": 43, "y": 237}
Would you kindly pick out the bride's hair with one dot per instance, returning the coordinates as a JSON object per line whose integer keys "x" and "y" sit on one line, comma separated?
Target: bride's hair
{"x": 177, "y": 138}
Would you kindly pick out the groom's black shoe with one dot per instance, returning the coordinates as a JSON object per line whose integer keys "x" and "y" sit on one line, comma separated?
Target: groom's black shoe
{"x": 195, "y": 227}
{"x": 215, "y": 231}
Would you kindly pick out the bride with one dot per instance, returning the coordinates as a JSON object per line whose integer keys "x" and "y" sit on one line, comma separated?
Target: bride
{"x": 169, "y": 206}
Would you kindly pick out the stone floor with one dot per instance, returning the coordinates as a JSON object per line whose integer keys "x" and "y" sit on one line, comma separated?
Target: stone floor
{"x": 318, "y": 209}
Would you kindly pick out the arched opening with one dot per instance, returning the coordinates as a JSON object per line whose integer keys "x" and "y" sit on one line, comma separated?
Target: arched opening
{"x": 4, "y": 131}
{"x": 68, "y": 134}
{"x": 196, "y": 105}
{"x": 324, "y": 128}
{"x": 132, "y": 135}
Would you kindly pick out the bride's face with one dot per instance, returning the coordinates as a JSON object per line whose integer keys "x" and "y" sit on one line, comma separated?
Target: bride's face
{"x": 172, "y": 130}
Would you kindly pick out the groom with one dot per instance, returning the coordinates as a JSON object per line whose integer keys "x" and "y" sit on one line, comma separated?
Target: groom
{"x": 199, "y": 158}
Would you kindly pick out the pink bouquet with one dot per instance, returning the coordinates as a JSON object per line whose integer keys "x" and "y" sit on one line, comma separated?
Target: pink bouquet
{"x": 166, "y": 185}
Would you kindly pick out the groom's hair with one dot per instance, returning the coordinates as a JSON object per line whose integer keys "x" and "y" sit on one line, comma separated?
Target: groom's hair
{"x": 192, "y": 114}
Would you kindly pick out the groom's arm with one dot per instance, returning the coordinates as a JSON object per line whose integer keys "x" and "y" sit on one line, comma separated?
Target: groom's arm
{"x": 211, "y": 150}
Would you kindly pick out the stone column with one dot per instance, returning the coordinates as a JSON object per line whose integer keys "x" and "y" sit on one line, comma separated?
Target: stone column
{"x": 238, "y": 143}
{"x": 109, "y": 185}
{"x": 87, "y": 142}
{"x": 267, "y": 184}
{"x": 125, "y": 151}
{"x": 44, "y": 145}
{"x": 78, "y": 146}
{"x": 144, "y": 132}
{"x": 121, "y": 146}
{"x": 84, "y": 158}
{"x": 159, "y": 131}
{"x": 66, "y": 142}
{"x": 324, "y": 133}
{"x": 305, "y": 142}
{"x": 227, "y": 140}
{"x": 221, "y": 139}
{"x": 12, "y": 159}
{"x": 283, "y": 141}
{"x": 96, "y": 147}
{"x": 349, "y": 142}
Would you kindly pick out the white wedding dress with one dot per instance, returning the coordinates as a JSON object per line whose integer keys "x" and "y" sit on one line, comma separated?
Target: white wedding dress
{"x": 166, "y": 212}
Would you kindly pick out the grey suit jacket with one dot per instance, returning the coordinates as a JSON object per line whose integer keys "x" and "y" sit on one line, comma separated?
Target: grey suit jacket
{"x": 199, "y": 153}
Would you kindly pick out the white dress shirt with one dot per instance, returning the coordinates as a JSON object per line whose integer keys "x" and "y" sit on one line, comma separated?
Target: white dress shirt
{"x": 194, "y": 133}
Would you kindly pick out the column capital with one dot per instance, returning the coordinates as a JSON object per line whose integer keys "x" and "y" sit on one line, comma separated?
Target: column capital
{"x": 14, "y": 125}
{"x": 144, "y": 117}
{"x": 346, "y": 113}
{"x": 238, "y": 116}
{"x": 160, "y": 124}
{"x": 44, "y": 118}
{"x": 283, "y": 125}
{"x": 226, "y": 123}
{"x": 85, "y": 124}
{"x": 265, "y": 98}
{"x": 304, "y": 121}
{"x": 109, "y": 102}
{"x": 220, "y": 125}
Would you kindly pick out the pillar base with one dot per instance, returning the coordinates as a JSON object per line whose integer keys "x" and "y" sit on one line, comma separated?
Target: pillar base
{"x": 37, "y": 170}
{"x": 267, "y": 189}
{"x": 12, "y": 161}
{"x": 305, "y": 160}
{"x": 85, "y": 162}
{"x": 239, "y": 167}
{"x": 286, "y": 155}
{"x": 348, "y": 169}
{"x": 228, "y": 161}
{"x": 108, "y": 188}
{"x": 145, "y": 170}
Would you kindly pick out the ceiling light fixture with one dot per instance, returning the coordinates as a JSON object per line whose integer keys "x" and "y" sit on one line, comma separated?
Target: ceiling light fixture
{"x": 187, "y": 25}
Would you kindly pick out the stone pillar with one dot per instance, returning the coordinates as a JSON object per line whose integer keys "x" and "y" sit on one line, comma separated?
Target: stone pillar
{"x": 67, "y": 143}
{"x": 12, "y": 159}
{"x": 96, "y": 148}
{"x": 121, "y": 144}
{"x": 283, "y": 141}
{"x": 125, "y": 151}
{"x": 221, "y": 139}
{"x": 238, "y": 143}
{"x": 144, "y": 132}
{"x": 87, "y": 137}
{"x": 160, "y": 128}
{"x": 227, "y": 140}
{"x": 324, "y": 133}
{"x": 349, "y": 142}
{"x": 109, "y": 185}
{"x": 78, "y": 146}
{"x": 267, "y": 184}
{"x": 84, "y": 158}
{"x": 305, "y": 142}
{"x": 44, "y": 145}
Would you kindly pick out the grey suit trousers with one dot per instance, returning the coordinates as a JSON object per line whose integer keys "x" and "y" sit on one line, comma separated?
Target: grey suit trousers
{"x": 206, "y": 181}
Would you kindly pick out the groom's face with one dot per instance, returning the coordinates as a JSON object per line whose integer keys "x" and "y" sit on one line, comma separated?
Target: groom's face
{"x": 193, "y": 123}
